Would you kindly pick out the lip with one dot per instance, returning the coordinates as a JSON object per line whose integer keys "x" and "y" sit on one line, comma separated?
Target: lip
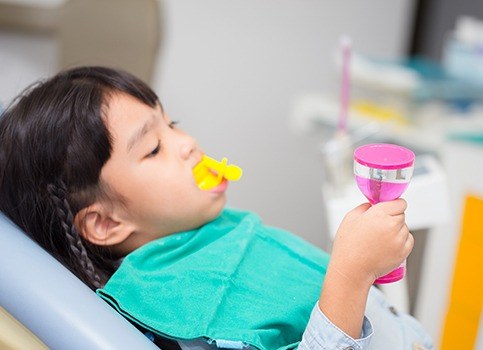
{"x": 220, "y": 188}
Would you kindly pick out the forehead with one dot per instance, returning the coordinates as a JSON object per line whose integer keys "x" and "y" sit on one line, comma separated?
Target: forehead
{"x": 125, "y": 114}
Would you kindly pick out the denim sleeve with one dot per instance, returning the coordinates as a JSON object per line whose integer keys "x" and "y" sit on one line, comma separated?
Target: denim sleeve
{"x": 322, "y": 334}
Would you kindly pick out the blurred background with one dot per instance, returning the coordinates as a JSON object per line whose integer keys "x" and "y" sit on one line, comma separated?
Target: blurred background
{"x": 259, "y": 81}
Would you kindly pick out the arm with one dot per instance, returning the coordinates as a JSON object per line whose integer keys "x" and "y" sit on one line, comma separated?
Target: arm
{"x": 370, "y": 242}
{"x": 343, "y": 301}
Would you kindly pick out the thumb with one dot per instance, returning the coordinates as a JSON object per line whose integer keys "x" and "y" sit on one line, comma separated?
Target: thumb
{"x": 361, "y": 208}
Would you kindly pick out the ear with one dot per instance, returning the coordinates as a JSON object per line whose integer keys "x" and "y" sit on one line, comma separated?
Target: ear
{"x": 100, "y": 227}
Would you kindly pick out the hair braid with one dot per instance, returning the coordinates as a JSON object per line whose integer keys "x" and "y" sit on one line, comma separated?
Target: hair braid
{"x": 58, "y": 195}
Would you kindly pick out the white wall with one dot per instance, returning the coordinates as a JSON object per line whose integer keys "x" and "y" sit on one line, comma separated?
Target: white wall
{"x": 230, "y": 69}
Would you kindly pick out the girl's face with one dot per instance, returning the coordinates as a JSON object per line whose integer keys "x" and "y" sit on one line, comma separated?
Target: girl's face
{"x": 151, "y": 170}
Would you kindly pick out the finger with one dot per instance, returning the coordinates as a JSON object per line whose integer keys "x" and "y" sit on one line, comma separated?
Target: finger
{"x": 400, "y": 221}
{"x": 395, "y": 207}
{"x": 409, "y": 244}
{"x": 403, "y": 232}
{"x": 361, "y": 208}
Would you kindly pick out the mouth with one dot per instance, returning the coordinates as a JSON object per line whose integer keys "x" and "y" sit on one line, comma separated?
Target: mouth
{"x": 206, "y": 178}
{"x": 211, "y": 175}
{"x": 220, "y": 188}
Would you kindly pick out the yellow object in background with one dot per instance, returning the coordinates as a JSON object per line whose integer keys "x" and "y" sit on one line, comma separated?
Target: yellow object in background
{"x": 466, "y": 300}
{"x": 15, "y": 336}
{"x": 378, "y": 112}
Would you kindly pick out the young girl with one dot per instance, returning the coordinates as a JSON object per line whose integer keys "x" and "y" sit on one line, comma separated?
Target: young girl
{"x": 95, "y": 171}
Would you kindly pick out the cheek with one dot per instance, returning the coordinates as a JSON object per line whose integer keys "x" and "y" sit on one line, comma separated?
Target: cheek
{"x": 169, "y": 187}
{"x": 174, "y": 190}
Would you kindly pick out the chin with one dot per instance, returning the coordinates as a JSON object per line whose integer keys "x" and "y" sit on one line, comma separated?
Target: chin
{"x": 216, "y": 213}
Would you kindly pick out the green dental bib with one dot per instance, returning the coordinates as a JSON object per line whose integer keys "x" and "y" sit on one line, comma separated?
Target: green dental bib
{"x": 233, "y": 279}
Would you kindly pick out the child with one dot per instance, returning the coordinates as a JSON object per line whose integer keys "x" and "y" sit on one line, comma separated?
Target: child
{"x": 95, "y": 171}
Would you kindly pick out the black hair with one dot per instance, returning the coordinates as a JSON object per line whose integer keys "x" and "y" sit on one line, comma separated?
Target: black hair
{"x": 53, "y": 145}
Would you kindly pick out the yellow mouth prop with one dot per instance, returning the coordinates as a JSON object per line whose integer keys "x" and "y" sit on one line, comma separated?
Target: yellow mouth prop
{"x": 209, "y": 172}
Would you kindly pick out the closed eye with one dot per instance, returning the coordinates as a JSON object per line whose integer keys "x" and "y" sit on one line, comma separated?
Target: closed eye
{"x": 155, "y": 151}
{"x": 173, "y": 123}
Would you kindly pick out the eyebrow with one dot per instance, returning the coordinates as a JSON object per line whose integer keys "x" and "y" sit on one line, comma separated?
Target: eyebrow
{"x": 139, "y": 134}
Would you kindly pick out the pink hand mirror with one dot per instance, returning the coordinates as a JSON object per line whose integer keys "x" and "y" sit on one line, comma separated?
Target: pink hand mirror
{"x": 382, "y": 173}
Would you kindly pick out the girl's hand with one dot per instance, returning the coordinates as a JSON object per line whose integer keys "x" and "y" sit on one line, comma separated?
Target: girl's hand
{"x": 372, "y": 241}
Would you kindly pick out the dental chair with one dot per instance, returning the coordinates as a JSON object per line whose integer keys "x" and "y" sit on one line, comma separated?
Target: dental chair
{"x": 55, "y": 305}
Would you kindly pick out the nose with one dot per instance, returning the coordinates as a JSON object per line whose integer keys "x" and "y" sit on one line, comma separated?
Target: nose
{"x": 188, "y": 146}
